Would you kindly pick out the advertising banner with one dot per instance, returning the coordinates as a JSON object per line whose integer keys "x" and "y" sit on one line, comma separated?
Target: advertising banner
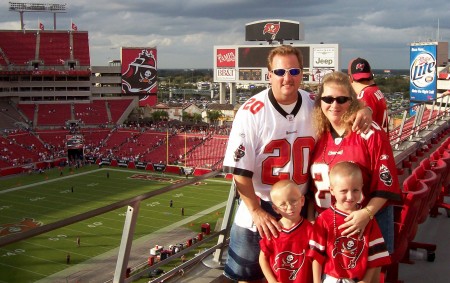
{"x": 139, "y": 74}
{"x": 422, "y": 72}
{"x": 141, "y": 165}
{"x": 74, "y": 141}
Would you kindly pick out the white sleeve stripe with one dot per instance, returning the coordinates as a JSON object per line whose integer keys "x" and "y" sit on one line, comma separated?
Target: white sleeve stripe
{"x": 376, "y": 242}
{"x": 316, "y": 245}
{"x": 378, "y": 255}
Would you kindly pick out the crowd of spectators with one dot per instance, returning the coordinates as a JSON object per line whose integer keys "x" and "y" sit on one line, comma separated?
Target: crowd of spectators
{"x": 95, "y": 149}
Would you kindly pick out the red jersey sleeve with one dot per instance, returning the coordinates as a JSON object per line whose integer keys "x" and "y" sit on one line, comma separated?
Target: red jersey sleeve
{"x": 384, "y": 179}
{"x": 318, "y": 241}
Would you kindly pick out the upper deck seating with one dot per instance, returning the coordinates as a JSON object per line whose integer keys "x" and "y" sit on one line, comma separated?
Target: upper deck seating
{"x": 18, "y": 46}
{"x": 54, "y": 47}
{"x": 54, "y": 114}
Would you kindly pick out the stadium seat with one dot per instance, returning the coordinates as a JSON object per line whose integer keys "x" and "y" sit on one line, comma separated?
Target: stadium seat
{"x": 405, "y": 217}
{"x": 431, "y": 179}
{"x": 442, "y": 154}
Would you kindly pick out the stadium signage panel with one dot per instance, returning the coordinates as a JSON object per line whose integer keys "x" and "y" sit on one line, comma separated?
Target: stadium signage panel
{"x": 226, "y": 74}
{"x": 273, "y": 29}
{"x": 323, "y": 57}
{"x": 159, "y": 167}
{"x": 423, "y": 73}
{"x": 139, "y": 74}
{"x": 226, "y": 57}
{"x": 74, "y": 141}
{"x": 141, "y": 165}
{"x": 122, "y": 163}
{"x": 251, "y": 62}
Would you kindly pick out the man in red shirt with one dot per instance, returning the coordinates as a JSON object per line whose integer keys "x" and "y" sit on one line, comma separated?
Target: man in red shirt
{"x": 361, "y": 78}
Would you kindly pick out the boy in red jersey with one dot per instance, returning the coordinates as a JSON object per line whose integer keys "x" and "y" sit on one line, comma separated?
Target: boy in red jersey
{"x": 347, "y": 259}
{"x": 284, "y": 259}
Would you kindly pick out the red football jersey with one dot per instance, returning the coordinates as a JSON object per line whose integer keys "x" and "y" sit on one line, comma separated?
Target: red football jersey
{"x": 374, "y": 98}
{"x": 371, "y": 151}
{"x": 342, "y": 256}
{"x": 288, "y": 253}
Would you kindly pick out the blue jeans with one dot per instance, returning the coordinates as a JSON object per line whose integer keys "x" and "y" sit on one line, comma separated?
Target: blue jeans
{"x": 243, "y": 253}
{"x": 385, "y": 220}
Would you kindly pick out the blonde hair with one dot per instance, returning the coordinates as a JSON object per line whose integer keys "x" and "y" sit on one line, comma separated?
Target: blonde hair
{"x": 320, "y": 121}
{"x": 284, "y": 50}
{"x": 345, "y": 169}
{"x": 283, "y": 184}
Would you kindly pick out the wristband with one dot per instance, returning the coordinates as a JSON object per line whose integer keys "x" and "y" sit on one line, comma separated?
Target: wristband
{"x": 369, "y": 212}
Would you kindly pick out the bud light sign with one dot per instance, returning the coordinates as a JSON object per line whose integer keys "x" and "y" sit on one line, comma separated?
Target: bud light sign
{"x": 422, "y": 72}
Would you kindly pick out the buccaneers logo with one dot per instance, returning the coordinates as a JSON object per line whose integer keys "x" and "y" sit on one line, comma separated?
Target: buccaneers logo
{"x": 290, "y": 262}
{"x": 141, "y": 74}
{"x": 239, "y": 153}
{"x": 24, "y": 225}
{"x": 385, "y": 175}
{"x": 360, "y": 66}
{"x": 347, "y": 251}
{"x": 272, "y": 28}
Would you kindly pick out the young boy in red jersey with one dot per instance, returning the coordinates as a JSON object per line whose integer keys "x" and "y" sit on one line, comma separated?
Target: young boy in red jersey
{"x": 346, "y": 259}
{"x": 284, "y": 259}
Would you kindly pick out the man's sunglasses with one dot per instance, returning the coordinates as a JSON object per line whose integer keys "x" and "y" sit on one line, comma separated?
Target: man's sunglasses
{"x": 339, "y": 99}
{"x": 281, "y": 72}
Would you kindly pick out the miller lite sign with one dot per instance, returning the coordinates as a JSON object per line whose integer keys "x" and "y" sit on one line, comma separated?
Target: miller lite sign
{"x": 423, "y": 72}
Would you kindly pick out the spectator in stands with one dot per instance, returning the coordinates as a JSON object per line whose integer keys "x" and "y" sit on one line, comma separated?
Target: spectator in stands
{"x": 336, "y": 142}
{"x": 292, "y": 244}
{"x": 268, "y": 133}
{"x": 362, "y": 81}
{"x": 338, "y": 258}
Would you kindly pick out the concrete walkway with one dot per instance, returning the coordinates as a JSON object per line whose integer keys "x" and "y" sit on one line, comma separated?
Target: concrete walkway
{"x": 101, "y": 268}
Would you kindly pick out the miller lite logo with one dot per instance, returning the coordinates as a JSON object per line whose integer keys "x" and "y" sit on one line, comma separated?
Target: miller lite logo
{"x": 272, "y": 28}
{"x": 423, "y": 70}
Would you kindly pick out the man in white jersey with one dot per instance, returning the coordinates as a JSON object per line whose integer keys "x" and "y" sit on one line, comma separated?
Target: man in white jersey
{"x": 271, "y": 140}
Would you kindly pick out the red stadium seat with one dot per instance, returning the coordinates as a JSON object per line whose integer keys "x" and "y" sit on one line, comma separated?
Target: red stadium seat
{"x": 432, "y": 181}
{"x": 405, "y": 218}
{"x": 442, "y": 154}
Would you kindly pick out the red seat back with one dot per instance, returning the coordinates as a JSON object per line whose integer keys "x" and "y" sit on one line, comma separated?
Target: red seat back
{"x": 431, "y": 180}
{"x": 406, "y": 216}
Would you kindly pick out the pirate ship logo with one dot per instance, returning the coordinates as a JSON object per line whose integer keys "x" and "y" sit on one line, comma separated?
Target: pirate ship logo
{"x": 141, "y": 74}
{"x": 347, "y": 251}
{"x": 290, "y": 262}
{"x": 22, "y": 226}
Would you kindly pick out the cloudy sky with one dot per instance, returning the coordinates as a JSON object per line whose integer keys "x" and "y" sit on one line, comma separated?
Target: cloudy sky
{"x": 186, "y": 31}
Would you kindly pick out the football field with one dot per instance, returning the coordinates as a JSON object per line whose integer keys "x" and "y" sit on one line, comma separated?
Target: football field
{"x": 37, "y": 199}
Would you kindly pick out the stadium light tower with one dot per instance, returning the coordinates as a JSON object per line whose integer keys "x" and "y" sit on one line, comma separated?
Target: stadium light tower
{"x": 37, "y": 7}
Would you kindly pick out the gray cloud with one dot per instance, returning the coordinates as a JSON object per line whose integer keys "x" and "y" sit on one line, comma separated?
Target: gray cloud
{"x": 185, "y": 32}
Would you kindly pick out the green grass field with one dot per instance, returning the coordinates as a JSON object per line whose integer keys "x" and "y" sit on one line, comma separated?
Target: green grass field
{"x": 48, "y": 197}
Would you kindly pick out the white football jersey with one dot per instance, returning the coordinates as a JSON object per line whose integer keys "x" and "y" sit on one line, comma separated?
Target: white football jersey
{"x": 267, "y": 144}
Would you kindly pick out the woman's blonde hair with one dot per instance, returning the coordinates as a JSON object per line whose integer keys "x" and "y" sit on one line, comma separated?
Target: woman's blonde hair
{"x": 321, "y": 123}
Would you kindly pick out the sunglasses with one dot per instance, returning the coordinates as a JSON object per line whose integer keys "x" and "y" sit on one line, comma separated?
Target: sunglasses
{"x": 281, "y": 72}
{"x": 339, "y": 99}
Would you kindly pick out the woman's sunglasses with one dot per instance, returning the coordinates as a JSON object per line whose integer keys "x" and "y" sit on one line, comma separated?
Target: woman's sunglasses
{"x": 281, "y": 72}
{"x": 339, "y": 99}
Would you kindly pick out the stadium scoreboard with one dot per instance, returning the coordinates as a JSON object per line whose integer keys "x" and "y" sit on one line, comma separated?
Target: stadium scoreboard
{"x": 248, "y": 63}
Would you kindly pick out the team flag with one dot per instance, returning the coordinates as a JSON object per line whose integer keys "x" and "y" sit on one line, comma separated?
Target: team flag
{"x": 41, "y": 26}
{"x": 74, "y": 27}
